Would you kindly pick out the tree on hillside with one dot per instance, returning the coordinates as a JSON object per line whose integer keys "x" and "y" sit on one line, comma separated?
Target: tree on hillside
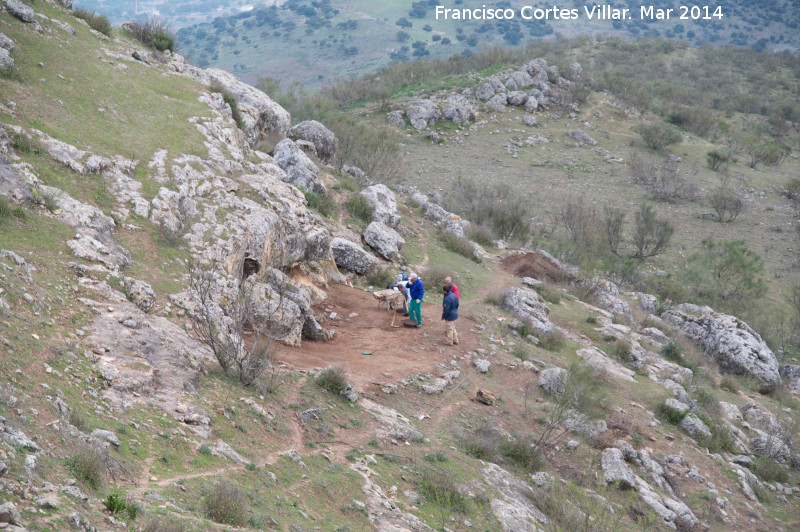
{"x": 726, "y": 273}
{"x": 658, "y": 134}
{"x": 651, "y": 234}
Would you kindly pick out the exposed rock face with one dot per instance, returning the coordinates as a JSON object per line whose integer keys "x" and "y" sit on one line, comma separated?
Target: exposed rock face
{"x": 529, "y": 307}
{"x": 263, "y": 118}
{"x": 615, "y": 470}
{"x": 582, "y": 137}
{"x": 300, "y": 170}
{"x": 278, "y": 305}
{"x": 16, "y": 438}
{"x": 606, "y": 296}
{"x": 351, "y": 256}
{"x": 458, "y": 110}
{"x": 384, "y": 204}
{"x": 695, "y": 427}
{"x": 655, "y": 335}
{"x": 736, "y": 347}
{"x": 323, "y": 139}
{"x": 140, "y": 293}
{"x": 497, "y": 102}
{"x": 21, "y": 11}
{"x": 423, "y": 113}
{"x": 383, "y": 239}
{"x": 677, "y": 406}
{"x": 553, "y": 380}
{"x": 516, "y": 510}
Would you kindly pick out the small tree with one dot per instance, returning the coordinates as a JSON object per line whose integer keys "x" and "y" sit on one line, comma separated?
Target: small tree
{"x": 761, "y": 150}
{"x": 651, "y": 235}
{"x": 717, "y": 161}
{"x": 726, "y": 203}
{"x": 658, "y": 134}
{"x": 726, "y": 273}
{"x": 613, "y": 223}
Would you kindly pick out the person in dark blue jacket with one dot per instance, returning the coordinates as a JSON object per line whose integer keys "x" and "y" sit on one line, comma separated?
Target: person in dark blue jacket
{"x": 450, "y": 314}
{"x": 417, "y": 291}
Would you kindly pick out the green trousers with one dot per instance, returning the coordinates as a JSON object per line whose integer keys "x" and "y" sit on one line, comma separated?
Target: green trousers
{"x": 415, "y": 311}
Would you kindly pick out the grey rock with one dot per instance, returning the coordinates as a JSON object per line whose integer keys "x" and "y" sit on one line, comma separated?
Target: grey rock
{"x": 384, "y": 204}
{"x": 517, "y": 98}
{"x": 300, "y": 170}
{"x": 140, "y": 293}
{"x": 423, "y": 113}
{"x": 395, "y": 118}
{"x": 531, "y": 106}
{"x": 351, "y": 256}
{"x": 497, "y": 102}
{"x": 519, "y": 80}
{"x": 6, "y": 42}
{"x": 383, "y": 239}
{"x": 734, "y": 345}
{"x": 458, "y": 110}
{"x": 6, "y": 61}
{"x": 542, "y": 479}
{"x": 676, "y": 405}
{"x": 481, "y": 365}
{"x": 582, "y": 137}
{"x": 615, "y": 470}
{"x": 647, "y": 302}
{"x": 530, "y": 281}
{"x": 263, "y": 118}
{"x": 49, "y": 503}
{"x": 106, "y": 436}
{"x": 9, "y": 514}
{"x": 75, "y": 492}
{"x": 683, "y": 514}
{"x": 435, "y": 212}
{"x": 553, "y": 380}
{"x": 312, "y": 330}
{"x": 21, "y": 11}
{"x": 695, "y": 427}
{"x": 484, "y": 92}
{"x": 529, "y": 307}
{"x": 358, "y": 174}
{"x": 655, "y": 335}
{"x": 516, "y": 510}
{"x": 606, "y": 296}
{"x": 575, "y": 71}
{"x": 628, "y": 452}
{"x": 323, "y": 139}
{"x": 530, "y": 120}
{"x": 16, "y": 437}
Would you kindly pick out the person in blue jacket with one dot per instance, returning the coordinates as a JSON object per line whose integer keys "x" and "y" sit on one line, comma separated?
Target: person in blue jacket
{"x": 417, "y": 291}
{"x": 450, "y": 314}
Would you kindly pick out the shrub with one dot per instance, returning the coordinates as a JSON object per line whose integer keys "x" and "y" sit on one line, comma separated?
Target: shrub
{"x": 440, "y": 487}
{"x": 325, "y": 205}
{"x": 154, "y": 523}
{"x": 721, "y": 438}
{"x": 24, "y": 144}
{"x": 360, "y": 207}
{"x": 78, "y": 420}
{"x": 226, "y": 504}
{"x": 769, "y": 470}
{"x": 483, "y": 442}
{"x": 12, "y": 73}
{"x": 494, "y": 297}
{"x": 717, "y": 160}
{"x": 5, "y": 208}
{"x": 380, "y": 277}
{"x": 436, "y": 457}
{"x": 153, "y": 32}
{"x": 88, "y": 463}
{"x": 482, "y": 235}
{"x": 459, "y": 244}
{"x": 19, "y": 213}
{"x": 651, "y": 234}
{"x": 548, "y": 293}
{"x": 658, "y": 135}
{"x": 333, "y": 379}
{"x": 434, "y": 278}
{"x": 729, "y": 383}
{"x": 95, "y": 21}
{"x": 521, "y": 352}
{"x": 521, "y": 450}
{"x": 726, "y": 203}
{"x": 552, "y": 340}
{"x": 670, "y": 414}
{"x": 672, "y": 351}
{"x": 792, "y": 190}
{"x": 230, "y": 99}
{"x": 621, "y": 349}
{"x": 591, "y": 319}
{"x": 116, "y": 504}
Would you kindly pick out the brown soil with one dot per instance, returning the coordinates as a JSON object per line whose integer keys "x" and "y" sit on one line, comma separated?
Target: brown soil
{"x": 399, "y": 351}
{"x": 531, "y": 265}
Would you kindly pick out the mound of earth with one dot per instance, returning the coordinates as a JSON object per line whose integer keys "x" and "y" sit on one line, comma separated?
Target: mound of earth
{"x": 539, "y": 265}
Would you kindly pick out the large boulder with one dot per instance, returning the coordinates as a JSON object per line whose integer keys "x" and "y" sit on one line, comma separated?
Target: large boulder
{"x": 734, "y": 345}
{"x": 300, "y": 170}
{"x": 553, "y": 380}
{"x": 792, "y": 372}
{"x": 694, "y": 426}
{"x": 140, "y": 293}
{"x": 458, "y": 110}
{"x": 323, "y": 139}
{"x": 519, "y": 80}
{"x": 484, "y": 92}
{"x": 529, "y": 307}
{"x": 278, "y": 306}
{"x": 606, "y": 296}
{"x": 6, "y": 61}
{"x": 21, "y": 11}
{"x": 6, "y": 42}
{"x": 581, "y": 136}
{"x": 423, "y": 113}
{"x": 517, "y": 98}
{"x": 615, "y": 470}
{"x": 384, "y": 204}
{"x": 383, "y": 239}
{"x": 351, "y": 256}
{"x": 263, "y": 118}
{"x": 395, "y": 118}
{"x": 497, "y": 102}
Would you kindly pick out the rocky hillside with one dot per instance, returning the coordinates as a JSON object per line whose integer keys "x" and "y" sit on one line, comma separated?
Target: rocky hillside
{"x": 181, "y": 347}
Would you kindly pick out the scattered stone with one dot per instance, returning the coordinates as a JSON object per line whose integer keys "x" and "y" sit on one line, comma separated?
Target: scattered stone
{"x": 106, "y": 436}
{"x": 485, "y": 397}
{"x": 481, "y": 365}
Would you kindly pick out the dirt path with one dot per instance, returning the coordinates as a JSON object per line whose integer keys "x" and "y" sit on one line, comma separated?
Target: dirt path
{"x": 362, "y": 327}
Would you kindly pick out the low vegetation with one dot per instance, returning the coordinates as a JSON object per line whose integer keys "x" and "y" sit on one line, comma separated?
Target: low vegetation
{"x": 333, "y": 379}
{"x": 153, "y": 32}
{"x": 95, "y": 21}
{"x": 226, "y": 504}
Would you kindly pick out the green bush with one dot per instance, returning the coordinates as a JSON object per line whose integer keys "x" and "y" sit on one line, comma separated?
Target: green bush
{"x": 88, "y": 463}
{"x": 440, "y": 487}
{"x": 116, "y": 504}
{"x": 717, "y": 160}
{"x": 12, "y": 73}
{"x": 591, "y": 319}
{"x": 333, "y": 379}
{"x": 548, "y": 293}
{"x": 434, "y": 277}
{"x": 230, "y": 99}
{"x": 325, "y": 205}
{"x": 226, "y": 504}
{"x": 380, "y": 277}
{"x": 552, "y": 340}
{"x": 5, "y": 208}
{"x": 360, "y": 207}
{"x": 24, "y": 144}
{"x": 769, "y": 470}
{"x": 95, "y": 21}
{"x": 458, "y": 244}
{"x": 521, "y": 450}
{"x": 672, "y": 351}
{"x": 721, "y": 438}
{"x": 480, "y": 234}
{"x": 154, "y": 33}
{"x": 729, "y": 383}
{"x": 621, "y": 349}
{"x": 670, "y": 414}
{"x": 658, "y": 135}
{"x": 521, "y": 352}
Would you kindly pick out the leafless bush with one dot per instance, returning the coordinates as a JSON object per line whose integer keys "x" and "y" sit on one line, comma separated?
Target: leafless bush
{"x": 663, "y": 182}
{"x": 726, "y": 203}
{"x": 226, "y": 504}
{"x": 651, "y": 235}
{"x": 154, "y": 523}
{"x": 223, "y": 321}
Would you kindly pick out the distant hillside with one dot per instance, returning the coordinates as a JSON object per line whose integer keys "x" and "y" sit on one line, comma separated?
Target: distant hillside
{"x": 179, "y": 12}
{"x": 312, "y": 41}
